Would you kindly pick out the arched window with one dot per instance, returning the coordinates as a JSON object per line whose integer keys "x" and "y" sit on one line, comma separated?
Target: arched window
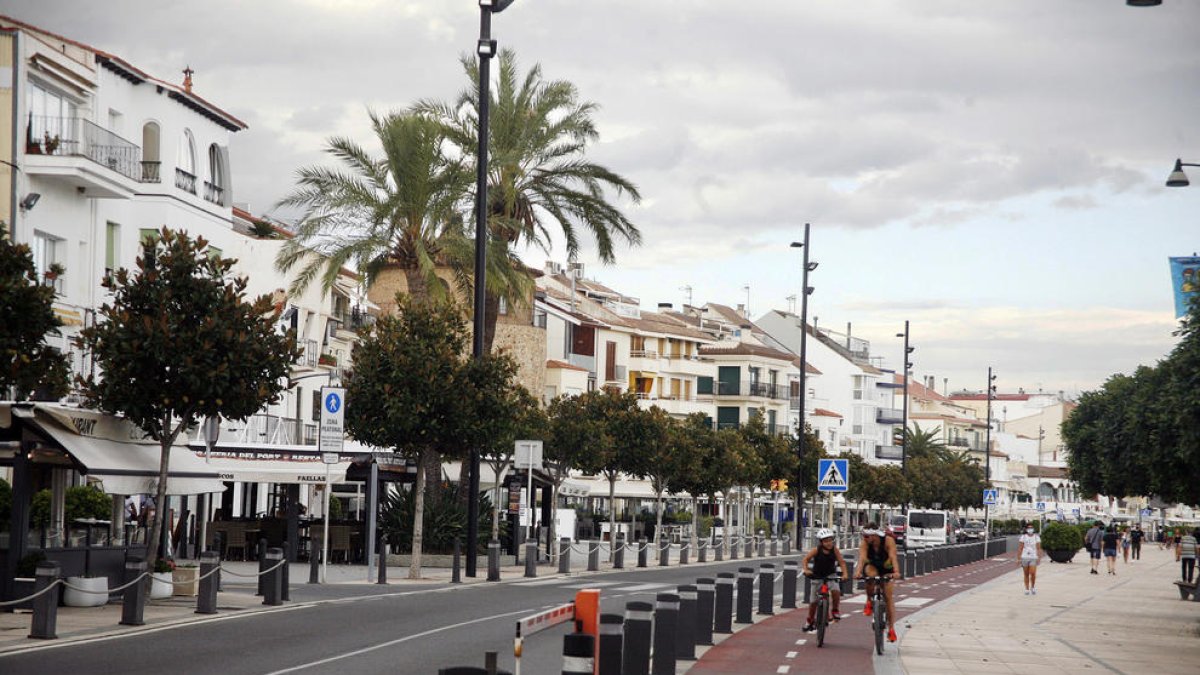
{"x": 185, "y": 168}
{"x": 150, "y": 153}
{"x": 214, "y": 188}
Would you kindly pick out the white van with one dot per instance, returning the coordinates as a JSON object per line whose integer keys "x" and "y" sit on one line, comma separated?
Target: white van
{"x": 927, "y": 528}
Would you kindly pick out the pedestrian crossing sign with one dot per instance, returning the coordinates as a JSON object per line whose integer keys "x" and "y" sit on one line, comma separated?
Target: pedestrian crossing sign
{"x": 990, "y": 496}
{"x": 1041, "y": 506}
{"x": 834, "y": 475}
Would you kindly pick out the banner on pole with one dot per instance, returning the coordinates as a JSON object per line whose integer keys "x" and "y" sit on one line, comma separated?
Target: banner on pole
{"x": 1185, "y": 281}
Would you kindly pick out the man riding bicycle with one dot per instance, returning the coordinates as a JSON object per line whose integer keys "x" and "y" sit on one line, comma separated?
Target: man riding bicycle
{"x": 826, "y": 559}
{"x": 877, "y": 558}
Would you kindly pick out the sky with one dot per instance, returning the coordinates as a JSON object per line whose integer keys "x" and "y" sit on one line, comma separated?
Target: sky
{"x": 990, "y": 171}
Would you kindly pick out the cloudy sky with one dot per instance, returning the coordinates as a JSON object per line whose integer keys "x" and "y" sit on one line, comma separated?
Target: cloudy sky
{"x": 991, "y": 171}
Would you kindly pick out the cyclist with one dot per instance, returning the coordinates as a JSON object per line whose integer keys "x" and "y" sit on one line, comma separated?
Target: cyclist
{"x": 877, "y": 558}
{"x": 825, "y": 559}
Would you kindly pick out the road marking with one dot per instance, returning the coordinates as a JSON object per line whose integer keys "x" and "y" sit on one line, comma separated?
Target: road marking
{"x": 595, "y": 584}
{"x": 791, "y": 655}
{"x": 783, "y": 669}
{"x": 543, "y": 582}
{"x": 397, "y": 641}
{"x": 801, "y": 641}
{"x": 913, "y": 602}
{"x": 641, "y": 587}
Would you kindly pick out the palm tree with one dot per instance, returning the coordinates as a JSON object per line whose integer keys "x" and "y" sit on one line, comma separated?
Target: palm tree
{"x": 925, "y": 443}
{"x": 538, "y": 175}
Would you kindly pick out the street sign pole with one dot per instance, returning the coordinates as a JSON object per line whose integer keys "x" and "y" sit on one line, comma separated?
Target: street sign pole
{"x": 330, "y": 438}
{"x": 325, "y": 537}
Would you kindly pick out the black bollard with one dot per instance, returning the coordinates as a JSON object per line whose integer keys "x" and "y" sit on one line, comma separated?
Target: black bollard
{"x": 685, "y": 624}
{"x": 133, "y": 599}
{"x": 314, "y": 564}
{"x": 262, "y": 566}
{"x": 609, "y": 649}
{"x": 733, "y": 549}
{"x": 787, "y": 545}
{"x": 664, "y": 554}
{"x": 808, "y": 589}
{"x": 456, "y": 570}
{"x": 910, "y": 564}
{"x": 701, "y": 551}
{"x": 723, "y": 604}
{"x": 745, "y": 595}
{"x": 766, "y": 589}
{"x": 720, "y": 552}
{"x": 762, "y": 547}
{"x": 578, "y": 653}
{"x": 683, "y": 553}
{"x": 635, "y": 656}
{"x": 381, "y": 579}
{"x": 44, "y": 624}
{"x": 206, "y": 596}
{"x": 285, "y": 576}
{"x": 564, "y": 555}
{"x": 791, "y": 570}
{"x": 643, "y": 552}
{"x": 531, "y": 559}
{"x": 749, "y": 544}
{"x": 619, "y": 552}
{"x": 493, "y": 561}
{"x": 271, "y": 580}
{"x": 666, "y": 617}
{"x": 705, "y": 593}
{"x": 774, "y": 547}
{"x": 593, "y": 556}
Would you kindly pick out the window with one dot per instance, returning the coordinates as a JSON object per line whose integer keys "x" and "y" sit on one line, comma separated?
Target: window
{"x": 503, "y": 309}
{"x": 112, "y": 248}
{"x": 214, "y": 252}
{"x": 50, "y": 115}
{"x": 187, "y": 153}
{"x": 147, "y": 234}
{"x": 47, "y": 251}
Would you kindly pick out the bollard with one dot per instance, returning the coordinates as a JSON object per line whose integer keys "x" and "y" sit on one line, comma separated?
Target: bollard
{"x": 493, "y": 560}
{"x": 685, "y": 625}
{"x": 701, "y": 551}
{"x": 593, "y": 556}
{"x": 766, "y": 588}
{"x": 456, "y": 568}
{"x": 206, "y": 596}
{"x": 705, "y": 592}
{"x": 720, "y": 552}
{"x": 619, "y": 553}
{"x": 272, "y": 585}
{"x": 749, "y": 544}
{"x": 762, "y": 547}
{"x": 808, "y": 589}
{"x": 578, "y": 650}
{"x": 910, "y": 564}
{"x": 787, "y": 545}
{"x": 531, "y": 559}
{"x": 643, "y": 552}
{"x": 664, "y": 554}
{"x": 923, "y": 562}
{"x": 774, "y": 547}
{"x": 44, "y": 624}
{"x": 745, "y": 595}
{"x": 666, "y": 618}
{"x": 683, "y": 553}
{"x": 791, "y": 569}
{"x": 733, "y": 549}
{"x": 314, "y": 565}
{"x": 381, "y": 579}
{"x": 608, "y": 651}
{"x": 723, "y": 604}
{"x": 262, "y": 566}
{"x": 133, "y": 599}
{"x": 285, "y": 592}
{"x": 564, "y": 555}
{"x": 635, "y": 655}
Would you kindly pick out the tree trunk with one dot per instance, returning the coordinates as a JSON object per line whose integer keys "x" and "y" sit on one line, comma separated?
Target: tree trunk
{"x": 160, "y": 493}
{"x": 727, "y": 519}
{"x": 657, "y": 516}
{"x": 491, "y": 314}
{"x": 414, "y": 566}
{"x": 695, "y": 538}
{"x": 553, "y": 524}
{"x": 612, "y": 516}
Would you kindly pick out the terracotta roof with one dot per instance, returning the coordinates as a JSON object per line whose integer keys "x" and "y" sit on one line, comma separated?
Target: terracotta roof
{"x": 918, "y": 390}
{"x": 808, "y": 367}
{"x": 745, "y": 349}
{"x": 1035, "y": 471}
{"x": 729, "y": 314}
{"x": 947, "y": 418}
{"x": 551, "y": 363}
{"x": 821, "y": 412}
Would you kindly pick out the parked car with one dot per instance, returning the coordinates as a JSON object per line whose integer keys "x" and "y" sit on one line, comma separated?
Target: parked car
{"x": 897, "y": 527}
{"x": 928, "y": 528}
{"x": 974, "y": 530}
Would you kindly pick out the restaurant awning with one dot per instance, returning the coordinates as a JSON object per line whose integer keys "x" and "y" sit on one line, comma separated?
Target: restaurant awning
{"x": 283, "y": 469}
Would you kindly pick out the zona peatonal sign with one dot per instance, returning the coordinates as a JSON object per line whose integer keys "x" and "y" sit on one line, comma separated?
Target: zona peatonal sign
{"x": 331, "y": 433}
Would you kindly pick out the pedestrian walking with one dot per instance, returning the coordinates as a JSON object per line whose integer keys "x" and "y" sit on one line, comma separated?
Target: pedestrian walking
{"x": 1136, "y": 542}
{"x": 1028, "y": 556}
{"x": 1110, "y": 541}
{"x": 1092, "y": 540}
{"x": 1185, "y": 553}
{"x": 1125, "y": 542}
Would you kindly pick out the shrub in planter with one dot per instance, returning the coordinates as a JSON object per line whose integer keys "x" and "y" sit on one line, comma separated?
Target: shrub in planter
{"x": 1061, "y": 541}
{"x": 27, "y": 566}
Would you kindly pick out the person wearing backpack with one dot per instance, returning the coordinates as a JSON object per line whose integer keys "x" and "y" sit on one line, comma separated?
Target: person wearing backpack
{"x": 1093, "y": 540}
{"x": 1185, "y": 553}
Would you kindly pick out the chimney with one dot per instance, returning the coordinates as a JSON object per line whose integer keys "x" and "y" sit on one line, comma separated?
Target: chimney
{"x": 847, "y": 336}
{"x": 741, "y": 310}
{"x": 664, "y": 306}
{"x": 187, "y": 79}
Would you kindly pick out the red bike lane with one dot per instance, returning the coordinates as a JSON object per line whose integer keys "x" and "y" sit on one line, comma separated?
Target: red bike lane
{"x": 778, "y": 645}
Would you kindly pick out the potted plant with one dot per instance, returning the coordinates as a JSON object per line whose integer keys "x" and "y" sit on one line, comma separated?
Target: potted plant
{"x": 26, "y": 580}
{"x": 92, "y": 592}
{"x": 162, "y": 579}
{"x": 51, "y": 143}
{"x": 327, "y": 360}
{"x": 187, "y": 579}
{"x": 1061, "y": 542}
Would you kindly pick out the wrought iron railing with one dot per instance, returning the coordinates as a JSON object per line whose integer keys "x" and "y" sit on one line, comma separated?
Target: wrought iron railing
{"x": 263, "y": 429}
{"x": 77, "y": 137}
{"x": 753, "y": 388}
{"x": 185, "y": 181}
{"x": 213, "y": 193}
{"x": 150, "y": 171}
{"x": 889, "y": 416}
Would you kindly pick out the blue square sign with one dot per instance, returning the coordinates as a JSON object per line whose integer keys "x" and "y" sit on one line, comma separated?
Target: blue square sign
{"x": 990, "y": 496}
{"x": 833, "y": 475}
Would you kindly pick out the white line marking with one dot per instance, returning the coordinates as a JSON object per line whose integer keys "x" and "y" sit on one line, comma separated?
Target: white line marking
{"x": 542, "y": 582}
{"x": 913, "y": 602}
{"x": 801, "y": 641}
{"x": 595, "y": 584}
{"x": 791, "y": 655}
{"x": 783, "y": 669}
{"x": 641, "y": 587}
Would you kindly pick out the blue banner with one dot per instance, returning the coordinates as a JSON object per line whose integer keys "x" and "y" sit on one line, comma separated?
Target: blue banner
{"x": 1185, "y": 280}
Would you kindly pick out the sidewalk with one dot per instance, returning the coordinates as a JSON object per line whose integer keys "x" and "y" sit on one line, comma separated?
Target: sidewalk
{"x": 1130, "y": 623}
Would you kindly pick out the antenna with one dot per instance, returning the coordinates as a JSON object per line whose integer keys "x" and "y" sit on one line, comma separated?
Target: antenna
{"x": 687, "y": 290}
{"x": 791, "y": 301}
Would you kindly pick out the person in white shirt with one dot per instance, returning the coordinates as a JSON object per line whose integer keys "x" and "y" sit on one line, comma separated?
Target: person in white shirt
{"x": 1027, "y": 557}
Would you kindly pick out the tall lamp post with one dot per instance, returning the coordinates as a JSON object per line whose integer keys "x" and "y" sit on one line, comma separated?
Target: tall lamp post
{"x": 486, "y": 49}
{"x": 987, "y": 455}
{"x": 806, "y": 290}
{"x": 1178, "y": 178}
{"x": 904, "y": 433}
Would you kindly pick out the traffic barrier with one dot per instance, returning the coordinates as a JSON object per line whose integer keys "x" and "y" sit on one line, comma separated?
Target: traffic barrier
{"x": 723, "y": 604}
{"x": 766, "y": 588}
{"x": 910, "y": 564}
{"x": 564, "y": 555}
{"x": 791, "y": 570}
{"x": 584, "y": 611}
{"x": 774, "y": 547}
{"x": 762, "y": 547}
{"x": 733, "y": 548}
{"x": 493, "y": 558}
{"x": 643, "y": 552}
{"x": 635, "y": 657}
{"x": 262, "y": 567}
{"x": 683, "y": 553}
{"x": 594, "y": 556}
{"x": 719, "y": 552}
{"x": 749, "y": 544}
{"x": 619, "y": 552}
{"x": 702, "y": 551}
{"x": 787, "y": 545}
{"x": 685, "y": 628}
{"x": 133, "y": 598}
{"x": 44, "y": 624}
{"x": 578, "y": 654}
{"x": 745, "y": 595}
{"x": 530, "y": 559}
{"x": 705, "y": 594}
{"x": 272, "y": 579}
{"x": 206, "y": 595}
{"x": 285, "y": 592}
{"x": 666, "y": 617}
{"x": 664, "y": 553}
{"x": 608, "y": 648}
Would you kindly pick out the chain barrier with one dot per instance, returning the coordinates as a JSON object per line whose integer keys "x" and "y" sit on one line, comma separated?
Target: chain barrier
{"x": 272, "y": 568}
{"x": 108, "y": 591}
{"x": 31, "y": 597}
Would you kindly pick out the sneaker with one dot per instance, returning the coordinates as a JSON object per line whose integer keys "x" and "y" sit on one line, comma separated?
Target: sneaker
{"x": 891, "y": 635}
{"x": 867, "y": 609}
{"x": 808, "y": 627}
{"x": 1033, "y": 591}
{"x": 837, "y": 616}
{"x": 1026, "y": 591}
{"x": 1095, "y": 572}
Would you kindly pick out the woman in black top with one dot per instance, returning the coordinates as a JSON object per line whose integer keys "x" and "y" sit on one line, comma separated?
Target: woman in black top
{"x": 1111, "y": 541}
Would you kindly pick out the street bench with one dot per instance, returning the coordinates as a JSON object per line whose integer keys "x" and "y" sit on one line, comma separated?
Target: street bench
{"x": 1186, "y": 589}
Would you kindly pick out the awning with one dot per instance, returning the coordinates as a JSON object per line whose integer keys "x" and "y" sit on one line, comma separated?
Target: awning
{"x": 304, "y": 470}
{"x": 113, "y": 451}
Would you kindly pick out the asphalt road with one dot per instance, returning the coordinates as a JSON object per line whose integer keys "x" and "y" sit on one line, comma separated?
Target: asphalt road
{"x": 402, "y": 632}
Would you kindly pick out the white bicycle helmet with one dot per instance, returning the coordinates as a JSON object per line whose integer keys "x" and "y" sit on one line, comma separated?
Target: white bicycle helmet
{"x": 824, "y": 533}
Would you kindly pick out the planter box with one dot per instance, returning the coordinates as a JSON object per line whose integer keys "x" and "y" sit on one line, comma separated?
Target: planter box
{"x": 1060, "y": 555}
{"x": 97, "y": 597}
{"x": 187, "y": 581}
{"x": 161, "y": 585}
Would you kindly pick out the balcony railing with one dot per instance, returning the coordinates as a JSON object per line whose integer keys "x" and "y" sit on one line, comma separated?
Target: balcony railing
{"x": 77, "y": 137}
{"x": 310, "y": 352}
{"x": 752, "y": 388}
{"x": 213, "y": 193}
{"x": 150, "y": 171}
{"x": 185, "y": 181}
{"x": 893, "y": 452}
{"x": 771, "y": 429}
{"x": 263, "y": 429}
{"x": 889, "y": 416}
{"x": 968, "y": 443}
{"x": 359, "y": 318}
{"x": 643, "y": 354}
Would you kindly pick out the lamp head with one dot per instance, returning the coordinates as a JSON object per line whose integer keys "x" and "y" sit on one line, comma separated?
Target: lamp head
{"x": 797, "y": 244}
{"x": 30, "y": 201}
{"x": 1143, "y": 3}
{"x": 1178, "y": 178}
{"x": 496, "y": 6}
{"x": 812, "y": 266}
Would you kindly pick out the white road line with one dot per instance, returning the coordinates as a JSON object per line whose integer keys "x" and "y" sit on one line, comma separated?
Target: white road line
{"x": 543, "y": 582}
{"x": 913, "y": 602}
{"x": 594, "y": 584}
{"x": 783, "y": 669}
{"x": 801, "y": 641}
{"x": 641, "y": 587}
{"x": 791, "y": 655}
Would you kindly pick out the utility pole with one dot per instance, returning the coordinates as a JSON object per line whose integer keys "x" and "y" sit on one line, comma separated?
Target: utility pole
{"x": 805, "y": 291}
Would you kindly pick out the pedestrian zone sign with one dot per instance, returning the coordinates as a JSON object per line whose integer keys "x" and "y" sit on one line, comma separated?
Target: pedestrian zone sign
{"x": 835, "y": 475}
{"x": 990, "y": 496}
{"x": 1041, "y": 506}
{"x": 331, "y": 432}
{"x": 1075, "y": 511}
{"x": 1146, "y": 512}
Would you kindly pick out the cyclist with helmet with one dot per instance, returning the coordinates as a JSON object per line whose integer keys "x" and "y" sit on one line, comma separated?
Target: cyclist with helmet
{"x": 877, "y": 558}
{"x": 825, "y": 559}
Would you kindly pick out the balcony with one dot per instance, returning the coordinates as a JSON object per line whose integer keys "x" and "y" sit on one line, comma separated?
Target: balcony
{"x": 776, "y": 429}
{"x": 310, "y": 353}
{"x": 262, "y": 429}
{"x": 84, "y": 155}
{"x": 753, "y": 389}
{"x": 582, "y": 361}
{"x": 150, "y": 172}
{"x": 185, "y": 181}
{"x": 889, "y": 416}
{"x": 615, "y": 374}
{"x": 213, "y": 193}
{"x": 889, "y": 452}
{"x": 965, "y": 443}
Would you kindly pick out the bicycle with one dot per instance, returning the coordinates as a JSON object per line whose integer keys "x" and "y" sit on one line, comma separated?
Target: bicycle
{"x": 821, "y": 621}
{"x": 879, "y": 619}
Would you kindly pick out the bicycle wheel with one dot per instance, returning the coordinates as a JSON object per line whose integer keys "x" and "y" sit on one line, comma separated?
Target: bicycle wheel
{"x": 880, "y": 624}
{"x": 821, "y": 620}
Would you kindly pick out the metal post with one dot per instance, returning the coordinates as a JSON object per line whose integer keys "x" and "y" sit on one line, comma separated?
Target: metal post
{"x": 745, "y": 595}
{"x": 593, "y": 556}
{"x": 619, "y": 554}
{"x": 787, "y": 545}
{"x": 683, "y": 553}
{"x": 262, "y": 567}
{"x": 766, "y": 589}
{"x": 705, "y": 594}
{"x": 456, "y": 571}
{"x": 206, "y": 596}
{"x": 762, "y": 547}
{"x": 685, "y": 628}
{"x": 564, "y": 555}
{"x": 733, "y": 550}
{"x": 774, "y": 547}
{"x": 664, "y": 553}
{"x": 723, "y": 604}
{"x": 643, "y": 552}
{"x": 666, "y": 620}
{"x": 531, "y": 559}
{"x": 372, "y": 514}
{"x": 493, "y": 573}
{"x": 609, "y": 649}
{"x": 578, "y": 654}
{"x": 635, "y": 658}
{"x": 791, "y": 570}
{"x": 910, "y": 564}
{"x": 701, "y": 551}
{"x": 273, "y": 585}
{"x": 133, "y": 599}
{"x": 720, "y": 551}
{"x": 314, "y": 564}
{"x": 987, "y": 461}
{"x": 44, "y": 624}
{"x": 904, "y": 415}
{"x": 285, "y": 580}
{"x": 800, "y": 431}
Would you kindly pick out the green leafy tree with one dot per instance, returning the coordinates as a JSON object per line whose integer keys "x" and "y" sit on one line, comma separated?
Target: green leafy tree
{"x": 690, "y": 442}
{"x": 521, "y": 418}
{"x": 180, "y": 342}
{"x": 658, "y": 445}
{"x": 27, "y": 363}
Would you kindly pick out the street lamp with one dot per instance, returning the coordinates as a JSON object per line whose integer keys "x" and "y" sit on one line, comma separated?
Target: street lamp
{"x": 987, "y": 454}
{"x": 1143, "y": 3}
{"x": 904, "y": 434}
{"x": 486, "y": 49}
{"x": 807, "y": 290}
{"x": 1178, "y": 178}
